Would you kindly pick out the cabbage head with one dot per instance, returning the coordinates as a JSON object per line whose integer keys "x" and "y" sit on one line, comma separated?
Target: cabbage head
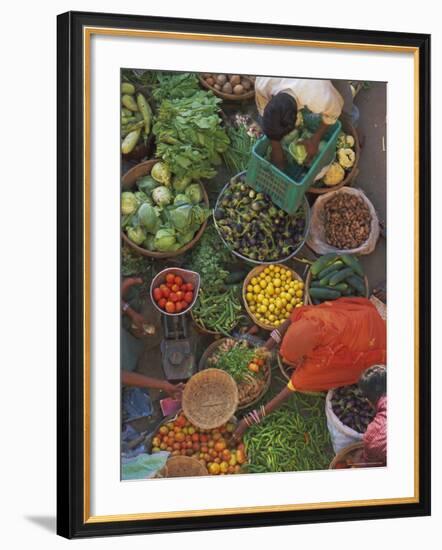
{"x": 184, "y": 238}
{"x": 162, "y": 195}
{"x": 129, "y": 203}
{"x": 165, "y": 240}
{"x": 199, "y": 214}
{"x": 149, "y": 243}
{"x": 195, "y": 193}
{"x": 136, "y": 234}
{"x": 180, "y": 184}
{"x": 147, "y": 184}
{"x": 181, "y": 217}
{"x": 298, "y": 152}
{"x": 181, "y": 198}
{"x": 142, "y": 197}
{"x": 161, "y": 173}
{"x": 148, "y": 217}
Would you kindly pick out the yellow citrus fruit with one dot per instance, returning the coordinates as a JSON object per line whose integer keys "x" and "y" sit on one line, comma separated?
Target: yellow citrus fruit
{"x": 262, "y": 283}
{"x": 299, "y": 293}
{"x": 265, "y": 301}
{"x": 254, "y": 281}
{"x": 256, "y": 289}
{"x": 277, "y": 282}
{"x": 272, "y": 307}
{"x": 301, "y": 284}
{"x": 270, "y": 289}
{"x": 249, "y": 296}
{"x": 249, "y": 288}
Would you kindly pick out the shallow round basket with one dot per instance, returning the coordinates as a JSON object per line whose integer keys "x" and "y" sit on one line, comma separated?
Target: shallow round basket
{"x": 351, "y": 175}
{"x": 345, "y": 454}
{"x": 228, "y": 97}
{"x": 309, "y": 302}
{"x": 203, "y": 367}
{"x": 210, "y": 398}
{"x": 182, "y": 466}
{"x": 256, "y": 271}
{"x": 187, "y": 276}
{"x": 128, "y": 182}
{"x": 258, "y": 262}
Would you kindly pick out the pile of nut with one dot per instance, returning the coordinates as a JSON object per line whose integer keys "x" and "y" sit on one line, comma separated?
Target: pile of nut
{"x": 347, "y": 221}
{"x": 229, "y": 83}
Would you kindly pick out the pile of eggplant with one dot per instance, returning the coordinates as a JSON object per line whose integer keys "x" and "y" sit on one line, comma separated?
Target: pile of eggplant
{"x": 352, "y": 408}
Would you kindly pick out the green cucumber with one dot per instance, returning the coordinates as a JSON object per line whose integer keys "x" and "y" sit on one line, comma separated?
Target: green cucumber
{"x": 353, "y": 262}
{"x": 325, "y": 280}
{"x": 129, "y": 102}
{"x": 340, "y": 276}
{"x": 315, "y": 284}
{"x": 322, "y": 262}
{"x": 335, "y": 265}
{"x": 357, "y": 283}
{"x": 127, "y": 88}
{"x": 341, "y": 287}
{"x": 324, "y": 293}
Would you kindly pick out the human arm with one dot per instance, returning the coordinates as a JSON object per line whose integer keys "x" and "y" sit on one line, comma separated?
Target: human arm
{"x": 277, "y": 156}
{"x": 141, "y": 381}
{"x": 139, "y": 324}
{"x": 312, "y": 143}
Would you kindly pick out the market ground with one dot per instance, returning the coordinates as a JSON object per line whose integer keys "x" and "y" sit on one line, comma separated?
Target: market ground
{"x": 371, "y": 102}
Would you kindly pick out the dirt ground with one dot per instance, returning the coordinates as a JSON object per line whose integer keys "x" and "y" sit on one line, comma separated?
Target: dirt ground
{"x": 372, "y": 179}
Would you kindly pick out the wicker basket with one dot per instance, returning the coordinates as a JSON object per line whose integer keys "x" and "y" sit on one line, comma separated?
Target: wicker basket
{"x": 256, "y": 271}
{"x": 352, "y": 174}
{"x": 227, "y": 97}
{"x": 210, "y": 398}
{"x": 308, "y": 301}
{"x": 128, "y": 182}
{"x": 268, "y": 373}
{"x": 182, "y": 466}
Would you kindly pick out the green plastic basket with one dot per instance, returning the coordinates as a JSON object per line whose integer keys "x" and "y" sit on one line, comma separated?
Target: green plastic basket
{"x": 288, "y": 188}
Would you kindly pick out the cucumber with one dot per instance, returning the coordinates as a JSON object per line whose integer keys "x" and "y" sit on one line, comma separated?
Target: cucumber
{"x": 315, "y": 284}
{"x": 326, "y": 280}
{"x": 341, "y": 287}
{"x": 146, "y": 111}
{"x": 324, "y": 293}
{"x": 349, "y": 291}
{"x": 322, "y": 262}
{"x": 335, "y": 265}
{"x": 125, "y": 112}
{"x": 129, "y": 102}
{"x": 340, "y": 276}
{"x": 357, "y": 283}
{"x": 353, "y": 262}
{"x": 127, "y": 88}
{"x": 130, "y": 141}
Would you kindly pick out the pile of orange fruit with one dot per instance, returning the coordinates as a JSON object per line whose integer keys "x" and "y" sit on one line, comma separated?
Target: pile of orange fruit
{"x": 210, "y": 447}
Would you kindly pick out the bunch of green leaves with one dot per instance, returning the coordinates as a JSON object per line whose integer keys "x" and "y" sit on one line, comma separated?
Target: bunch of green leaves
{"x": 189, "y": 135}
{"x": 236, "y": 360}
{"x": 174, "y": 85}
{"x": 134, "y": 264}
{"x": 139, "y": 77}
{"x": 237, "y": 155}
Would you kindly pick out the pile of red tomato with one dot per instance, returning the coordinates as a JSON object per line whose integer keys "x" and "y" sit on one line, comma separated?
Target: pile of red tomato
{"x": 210, "y": 447}
{"x": 174, "y": 295}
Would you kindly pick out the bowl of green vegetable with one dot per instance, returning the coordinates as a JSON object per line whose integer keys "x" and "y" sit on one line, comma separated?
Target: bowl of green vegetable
{"x": 255, "y": 229}
{"x": 161, "y": 216}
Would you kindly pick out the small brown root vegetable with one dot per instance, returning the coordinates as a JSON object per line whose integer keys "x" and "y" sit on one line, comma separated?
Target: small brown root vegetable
{"x": 217, "y": 86}
{"x": 235, "y": 79}
{"x": 227, "y": 88}
{"x": 210, "y": 81}
{"x": 207, "y": 75}
{"x": 238, "y": 89}
{"x": 246, "y": 84}
{"x": 221, "y": 79}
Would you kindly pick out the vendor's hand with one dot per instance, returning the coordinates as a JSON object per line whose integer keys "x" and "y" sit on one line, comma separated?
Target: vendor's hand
{"x": 140, "y": 327}
{"x": 175, "y": 391}
{"x": 240, "y": 431}
{"x": 127, "y": 283}
{"x": 311, "y": 146}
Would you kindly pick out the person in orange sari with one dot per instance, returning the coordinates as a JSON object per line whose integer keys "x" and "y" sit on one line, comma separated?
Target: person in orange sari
{"x": 329, "y": 345}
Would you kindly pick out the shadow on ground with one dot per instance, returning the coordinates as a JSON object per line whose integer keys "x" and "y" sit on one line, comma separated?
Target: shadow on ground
{"x": 48, "y": 523}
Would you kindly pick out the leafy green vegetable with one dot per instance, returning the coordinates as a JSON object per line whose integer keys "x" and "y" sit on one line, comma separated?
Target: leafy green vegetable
{"x": 142, "y": 198}
{"x": 148, "y": 217}
{"x": 181, "y": 198}
{"x": 194, "y": 192}
{"x": 175, "y": 86}
{"x": 161, "y": 173}
{"x": 181, "y": 217}
{"x": 129, "y": 203}
{"x": 165, "y": 240}
{"x": 147, "y": 184}
{"x": 162, "y": 195}
{"x": 149, "y": 243}
{"x": 179, "y": 184}
{"x": 298, "y": 152}
{"x": 189, "y": 135}
{"x": 136, "y": 234}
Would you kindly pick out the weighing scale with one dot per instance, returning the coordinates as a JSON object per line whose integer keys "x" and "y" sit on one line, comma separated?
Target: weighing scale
{"x": 176, "y": 348}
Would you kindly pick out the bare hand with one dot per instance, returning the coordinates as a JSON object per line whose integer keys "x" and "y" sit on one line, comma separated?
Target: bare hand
{"x": 175, "y": 391}
{"x": 140, "y": 327}
{"x": 311, "y": 146}
{"x": 127, "y": 283}
{"x": 240, "y": 431}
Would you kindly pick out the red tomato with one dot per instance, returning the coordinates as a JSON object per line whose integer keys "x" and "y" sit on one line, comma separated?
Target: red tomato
{"x": 157, "y": 294}
{"x": 170, "y": 278}
{"x": 178, "y": 280}
{"x": 178, "y": 307}
{"x": 175, "y": 288}
{"x": 189, "y": 287}
{"x": 184, "y": 305}
{"x": 170, "y": 307}
{"x": 163, "y": 287}
{"x": 162, "y": 303}
{"x": 166, "y": 292}
{"x": 180, "y": 295}
{"x": 188, "y": 297}
{"x": 173, "y": 297}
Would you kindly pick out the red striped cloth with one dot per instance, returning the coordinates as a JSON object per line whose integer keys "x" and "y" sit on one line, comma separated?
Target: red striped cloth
{"x": 375, "y": 438}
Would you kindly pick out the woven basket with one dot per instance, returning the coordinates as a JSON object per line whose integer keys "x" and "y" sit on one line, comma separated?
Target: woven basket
{"x": 268, "y": 373}
{"x": 308, "y": 301}
{"x": 256, "y": 271}
{"x": 182, "y": 466}
{"x": 227, "y": 97}
{"x": 128, "y": 182}
{"x": 352, "y": 174}
{"x": 345, "y": 453}
{"x": 202, "y": 330}
{"x": 210, "y": 398}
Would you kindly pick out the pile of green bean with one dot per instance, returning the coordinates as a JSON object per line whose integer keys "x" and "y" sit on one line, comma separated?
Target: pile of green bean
{"x": 292, "y": 438}
{"x": 218, "y": 312}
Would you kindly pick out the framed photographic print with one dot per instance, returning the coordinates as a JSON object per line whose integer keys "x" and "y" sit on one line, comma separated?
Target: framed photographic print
{"x": 238, "y": 206}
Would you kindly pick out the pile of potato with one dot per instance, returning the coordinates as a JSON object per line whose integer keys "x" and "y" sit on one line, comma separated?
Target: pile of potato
{"x": 230, "y": 83}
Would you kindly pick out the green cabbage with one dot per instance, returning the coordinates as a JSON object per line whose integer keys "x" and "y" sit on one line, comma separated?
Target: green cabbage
{"x": 148, "y": 217}
{"x": 181, "y": 217}
{"x": 298, "y": 152}
{"x": 129, "y": 203}
{"x": 147, "y": 184}
{"x": 161, "y": 173}
{"x": 199, "y": 214}
{"x": 195, "y": 193}
{"x": 165, "y": 240}
{"x": 184, "y": 238}
{"x": 136, "y": 234}
{"x": 142, "y": 197}
{"x": 181, "y": 198}
{"x": 180, "y": 184}
{"x": 149, "y": 243}
{"x": 162, "y": 195}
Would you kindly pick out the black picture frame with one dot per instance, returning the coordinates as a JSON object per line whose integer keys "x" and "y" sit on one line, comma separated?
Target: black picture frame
{"x": 71, "y": 521}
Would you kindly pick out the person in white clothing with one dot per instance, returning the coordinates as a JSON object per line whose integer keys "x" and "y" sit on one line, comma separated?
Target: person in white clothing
{"x": 278, "y": 101}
